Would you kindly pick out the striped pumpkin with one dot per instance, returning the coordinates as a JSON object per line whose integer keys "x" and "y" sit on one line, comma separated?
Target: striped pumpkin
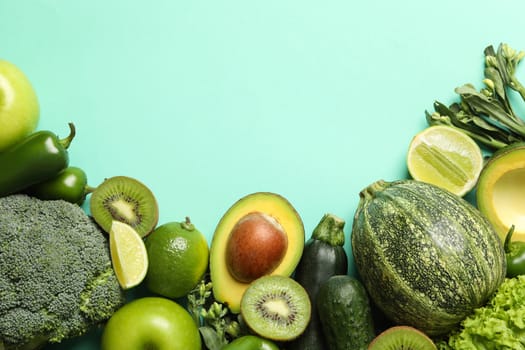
{"x": 426, "y": 256}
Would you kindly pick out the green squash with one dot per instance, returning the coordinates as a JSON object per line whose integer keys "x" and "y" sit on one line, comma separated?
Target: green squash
{"x": 426, "y": 256}
{"x": 323, "y": 257}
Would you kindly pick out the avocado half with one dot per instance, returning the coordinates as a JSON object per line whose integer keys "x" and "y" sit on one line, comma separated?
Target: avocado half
{"x": 500, "y": 191}
{"x": 226, "y": 288}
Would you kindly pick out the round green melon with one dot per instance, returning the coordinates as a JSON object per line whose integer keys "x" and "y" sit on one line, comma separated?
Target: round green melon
{"x": 426, "y": 256}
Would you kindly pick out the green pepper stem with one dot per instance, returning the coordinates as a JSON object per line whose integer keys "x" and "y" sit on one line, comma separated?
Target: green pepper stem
{"x": 89, "y": 189}
{"x": 508, "y": 238}
{"x": 65, "y": 142}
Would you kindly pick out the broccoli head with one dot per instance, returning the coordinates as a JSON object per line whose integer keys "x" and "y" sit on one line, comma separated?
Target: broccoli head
{"x": 56, "y": 278}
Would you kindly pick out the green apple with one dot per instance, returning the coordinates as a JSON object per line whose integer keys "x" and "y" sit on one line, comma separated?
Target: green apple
{"x": 251, "y": 342}
{"x": 151, "y": 323}
{"x": 19, "y": 108}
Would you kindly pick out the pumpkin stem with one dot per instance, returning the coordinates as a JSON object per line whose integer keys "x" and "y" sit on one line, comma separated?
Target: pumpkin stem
{"x": 330, "y": 230}
{"x": 372, "y": 189}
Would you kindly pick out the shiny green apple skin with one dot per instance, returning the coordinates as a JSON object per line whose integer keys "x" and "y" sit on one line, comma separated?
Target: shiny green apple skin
{"x": 151, "y": 323}
{"x": 251, "y": 342}
{"x": 19, "y": 107}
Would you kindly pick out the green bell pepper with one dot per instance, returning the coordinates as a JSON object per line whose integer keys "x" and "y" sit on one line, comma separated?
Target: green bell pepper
{"x": 69, "y": 185}
{"x": 515, "y": 254}
{"x": 37, "y": 158}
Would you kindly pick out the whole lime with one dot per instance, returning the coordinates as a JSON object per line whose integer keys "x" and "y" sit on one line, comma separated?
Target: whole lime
{"x": 151, "y": 323}
{"x": 178, "y": 257}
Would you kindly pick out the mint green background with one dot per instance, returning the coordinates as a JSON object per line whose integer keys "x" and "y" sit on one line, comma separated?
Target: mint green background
{"x": 208, "y": 101}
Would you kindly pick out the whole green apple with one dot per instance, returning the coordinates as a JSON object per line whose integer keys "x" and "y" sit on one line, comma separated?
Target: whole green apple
{"x": 19, "y": 108}
{"x": 251, "y": 342}
{"x": 151, "y": 323}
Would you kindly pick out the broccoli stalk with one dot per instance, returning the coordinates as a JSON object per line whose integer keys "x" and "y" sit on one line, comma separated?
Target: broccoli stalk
{"x": 56, "y": 278}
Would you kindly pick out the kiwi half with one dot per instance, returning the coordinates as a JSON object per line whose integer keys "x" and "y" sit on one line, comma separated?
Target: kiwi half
{"x": 402, "y": 338}
{"x": 276, "y": 307}
{"x": 125, "y": 199}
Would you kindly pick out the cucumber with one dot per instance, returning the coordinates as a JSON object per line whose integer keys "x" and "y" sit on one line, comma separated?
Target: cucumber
{"x": 345, "y": 313}
{"x": 323, "y": 256}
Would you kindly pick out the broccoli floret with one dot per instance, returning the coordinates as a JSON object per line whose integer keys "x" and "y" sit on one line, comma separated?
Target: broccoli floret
{"x": 56, "y": 278}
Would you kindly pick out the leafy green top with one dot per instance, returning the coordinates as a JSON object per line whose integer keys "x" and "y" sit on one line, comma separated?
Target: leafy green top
{"x": 488, "y": 115}
{"x": 214, "y": 320}
{"x": 500, "y": 324}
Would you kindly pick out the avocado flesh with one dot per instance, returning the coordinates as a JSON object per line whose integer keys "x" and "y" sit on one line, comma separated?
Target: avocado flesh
{"x": 226, "y": 288}
{"x": 500, "y": 191}
{"x": 509, "y": 202}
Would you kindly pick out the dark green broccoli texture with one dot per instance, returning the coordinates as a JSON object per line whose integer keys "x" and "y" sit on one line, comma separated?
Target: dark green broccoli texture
{"x": 56, "y": 278}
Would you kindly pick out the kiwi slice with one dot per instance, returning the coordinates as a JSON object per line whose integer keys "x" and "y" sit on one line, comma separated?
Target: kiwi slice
{"x": 276, "y": 307}
{"x": 402, "y": 338}
{"x": 125, "y": 199}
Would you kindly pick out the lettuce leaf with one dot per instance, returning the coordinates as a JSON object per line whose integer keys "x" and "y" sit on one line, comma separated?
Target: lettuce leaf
{"x": 499, "y": 325}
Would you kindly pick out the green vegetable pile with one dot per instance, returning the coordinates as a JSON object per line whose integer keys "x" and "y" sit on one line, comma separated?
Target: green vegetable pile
{"x": 500, "y": 325}
{"x": 57, "y": 280}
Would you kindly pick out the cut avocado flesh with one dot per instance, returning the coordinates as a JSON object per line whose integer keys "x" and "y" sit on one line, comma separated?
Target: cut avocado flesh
{"x": 228, "y": 289}
{"x": 500, "y": 192}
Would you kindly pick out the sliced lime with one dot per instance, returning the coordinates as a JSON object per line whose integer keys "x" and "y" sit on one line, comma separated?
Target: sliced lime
{"x": 128, "y": 254}
{"x": 446, "y": 157}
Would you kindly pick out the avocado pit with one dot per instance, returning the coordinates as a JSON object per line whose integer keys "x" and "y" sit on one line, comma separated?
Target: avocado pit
{"x": 256, "y": 246}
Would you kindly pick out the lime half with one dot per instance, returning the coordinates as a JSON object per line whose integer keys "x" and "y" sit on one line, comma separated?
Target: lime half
{"x": 446, "y": 157}
{"x": 128, "y": 254}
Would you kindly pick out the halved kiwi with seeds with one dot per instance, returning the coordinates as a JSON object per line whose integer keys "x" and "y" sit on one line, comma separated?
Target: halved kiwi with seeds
{"x": 402, "y": 338}
{"x": 276, "y": 307}
{"x": 124, "y": 199}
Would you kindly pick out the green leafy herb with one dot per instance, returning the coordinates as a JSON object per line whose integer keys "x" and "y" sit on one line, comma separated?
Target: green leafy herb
{"x": 214, "y": 320}
{"x": 487, "y": 115}
{"x": 499, "y": 325}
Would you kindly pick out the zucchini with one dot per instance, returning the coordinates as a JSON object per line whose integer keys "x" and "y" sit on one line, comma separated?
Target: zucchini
{"x": 345, "y": 313}
{"x": 427, "y": 257}
{"x": 323, "y": 256}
